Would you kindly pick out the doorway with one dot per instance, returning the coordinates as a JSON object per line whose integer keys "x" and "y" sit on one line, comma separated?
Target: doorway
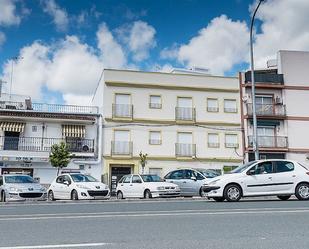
{"x": 118, "y": 171}
{"x": 11, "y": 140}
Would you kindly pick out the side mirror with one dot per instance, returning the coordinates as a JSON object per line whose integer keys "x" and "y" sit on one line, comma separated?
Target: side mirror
{"x": 193, "y": 178}
{"x": 251, "y": 172}
{"x": 66, "y": 183}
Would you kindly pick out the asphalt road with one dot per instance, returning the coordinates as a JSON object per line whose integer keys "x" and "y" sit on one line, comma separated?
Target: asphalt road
{"x": 160, "y": 224}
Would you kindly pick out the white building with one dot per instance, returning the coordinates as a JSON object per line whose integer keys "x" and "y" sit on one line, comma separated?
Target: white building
{"x": 178, "y": 119}
{"x": 282, "y": 94}
{"x": 28, "y": 130}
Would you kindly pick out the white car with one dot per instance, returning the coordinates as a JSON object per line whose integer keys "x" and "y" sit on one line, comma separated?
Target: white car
{"x": 281, "y": 178}
{"x": 77, "y": 186}
{"x": 145, "y": 186}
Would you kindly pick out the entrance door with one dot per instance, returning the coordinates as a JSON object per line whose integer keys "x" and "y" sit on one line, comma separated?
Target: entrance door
{"x": 11, "y": 140}
{"x": 118, "y": 171}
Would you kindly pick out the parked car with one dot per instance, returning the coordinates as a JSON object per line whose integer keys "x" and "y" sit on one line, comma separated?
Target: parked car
{"x": 190, "y": 181}
{"x": 281, "y": 178}
{"x": 145, "y": 186}
{"x": 77, "y": 186}
{"x": 20, "y": 187}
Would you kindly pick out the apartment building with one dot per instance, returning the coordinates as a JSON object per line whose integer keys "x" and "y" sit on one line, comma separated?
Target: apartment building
{"x": 28, "y": 130}
{"x": 282, "y": 91}
{"x": 183, "y": 119}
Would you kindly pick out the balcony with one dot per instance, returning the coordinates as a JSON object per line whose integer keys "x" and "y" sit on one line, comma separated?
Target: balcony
{"x": 185, "y": 150}
{"x": 266, "y": 78}
{"x": 39, "y": 144}
{"x": 121, "y": 148}
{"x": 270, "y": 141}
{"x": 122, "y": 111}
{"x": 185, "y": 114}
{"x": 268, "y": 110}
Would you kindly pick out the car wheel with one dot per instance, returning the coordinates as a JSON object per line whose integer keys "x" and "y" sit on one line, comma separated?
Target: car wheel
{"x": 202, "y": 193}
{"x": 51, "y": 195}
{"x": 3, "y": 199}
{"x": 218, "y": 199}
{"x": 119, "y": 195}
{"x": 302, "y": 191}
{"x": 74, "y": 195}
{"x": 232, "y": 192}
{"x": 284, "y": 197}
{"x": 147, "y": 194}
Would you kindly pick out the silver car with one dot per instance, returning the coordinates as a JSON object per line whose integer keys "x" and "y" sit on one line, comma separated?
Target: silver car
{"x": 20, "y": 187}
{"x": 190, "y": 181}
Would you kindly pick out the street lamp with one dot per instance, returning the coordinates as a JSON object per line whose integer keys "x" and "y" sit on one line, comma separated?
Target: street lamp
{"x": 255, "y": 137}
{"x": 13, "y": 59}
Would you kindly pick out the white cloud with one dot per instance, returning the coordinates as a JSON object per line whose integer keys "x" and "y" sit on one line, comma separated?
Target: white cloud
{"x": 2, "y": 38}
{"x": 219, "y": 46}
{"x": 112, "y": 53}
{"x": 8, "y": 14}
{"x": 76, "y": 99}
{"x": 284, "y": 26}
{"x": 59, "y": 15}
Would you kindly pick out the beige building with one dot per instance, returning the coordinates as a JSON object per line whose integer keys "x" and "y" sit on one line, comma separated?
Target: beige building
{"x": 282, "y": 94}
{"x": 180, "y": 120}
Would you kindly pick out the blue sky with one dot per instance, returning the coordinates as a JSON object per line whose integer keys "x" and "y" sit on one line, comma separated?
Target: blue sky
{"x": 65, "y": 44}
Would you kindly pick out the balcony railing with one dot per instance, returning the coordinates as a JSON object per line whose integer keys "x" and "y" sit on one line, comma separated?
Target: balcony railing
{"x": 155, "y": 105}
{"x": 212, "y": 109}
{"x": 267, "y": 110}
{"x": 185, "y": 150}
{"x": 155, "y": 141}
{"x": 271, "y": 78}
{"x": 39, "y": 144}
{"x": 270, "y": 141}
{"x": 185, "y": 114}
{"x": 122, "y": 111}
{"x": 123, "y": 148}
{"x": 49, "y": 108}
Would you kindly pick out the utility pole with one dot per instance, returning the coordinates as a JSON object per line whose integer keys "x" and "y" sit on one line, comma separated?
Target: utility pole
{"x": 255, "y": 137}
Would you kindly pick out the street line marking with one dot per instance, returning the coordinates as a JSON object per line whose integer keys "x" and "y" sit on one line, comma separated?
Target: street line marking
{"x": 145, "y": 212}
{"x": 156, "y": 215}
{"x": 57, "y": 246}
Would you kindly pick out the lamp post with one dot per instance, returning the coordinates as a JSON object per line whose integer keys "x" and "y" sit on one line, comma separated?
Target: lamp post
{"x": 13, "y": 59}
{"x": 255, "y": 137}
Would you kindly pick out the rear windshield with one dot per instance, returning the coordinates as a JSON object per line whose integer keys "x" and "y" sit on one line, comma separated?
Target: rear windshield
{"x": 152, "y": 178}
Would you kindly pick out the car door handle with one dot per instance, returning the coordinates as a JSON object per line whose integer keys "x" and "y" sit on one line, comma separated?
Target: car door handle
{"x": 184, "y": 182}
{"x": 121, "y": 184}
{"x": 131, "y": 184}
{"x": 171, "y": 181}
{"x": 270, "y": 177}
{"x": 293, "y": 175}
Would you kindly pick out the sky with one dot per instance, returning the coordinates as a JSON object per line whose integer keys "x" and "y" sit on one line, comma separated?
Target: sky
{"x": 58, "y": 48}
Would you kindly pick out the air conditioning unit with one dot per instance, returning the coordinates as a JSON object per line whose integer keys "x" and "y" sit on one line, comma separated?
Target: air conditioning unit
{"x": 85, "y": 148}
{"x": 278, "y": 101}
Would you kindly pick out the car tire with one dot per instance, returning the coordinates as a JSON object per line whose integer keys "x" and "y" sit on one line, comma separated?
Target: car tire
{"x": 2, "y": 199}
{"x": 201, "y": 192}
{"x": 147, "y": 194}
{"x": 302, "y": 191}
{"x": 119, "y": 195}
{"x": 218, "y": 199}
{"x": 51, "y": 195}
{"x": 74, "y": 195}
{"x": 284, "y": 197}
{"x": 232, "y": 193}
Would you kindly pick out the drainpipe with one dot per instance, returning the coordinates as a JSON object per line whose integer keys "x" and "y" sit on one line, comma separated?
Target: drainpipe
{"x": 99, "y": 145}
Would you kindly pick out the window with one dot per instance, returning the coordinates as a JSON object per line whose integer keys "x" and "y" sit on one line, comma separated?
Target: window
{"x": 212, "y": 105}
{"x": 198, "y": 175}
{"x": 59, "y": 179}
{"x": 213, "y": 140}
{"x": 184, "y": 146}
{"x": 282, "y": 166}
{"x": 122, "y": 107}
{"x": 179, "y": 174}
{"x": 155, "y": 102}
{"x": 34, "y": 128}
{"x": 121, "y": 144}
{"x": 188, "y": 174}
{"x": 155, "y": 171}
{"x": 230, "y": 105}
{"x": 264, "y": 105}
{"x": 227, "y": 169}
{"x": 1, "y": 181}
{"x": 136, "y": 179}
{"x": 155, "y": 137}
{"x": 184, "y": 109}
{"x": 263, "y": 168}
{"x": 127, "y": 179}
{"x": 231, "y": 141}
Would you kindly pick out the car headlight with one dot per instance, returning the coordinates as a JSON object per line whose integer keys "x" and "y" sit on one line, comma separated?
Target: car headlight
{"x": 43, "y": 189}
{"x": 213, "y": 182}
{"x": 15, "y": 189}
{"x": 160, "y": 188}
{"x": 177, "y": 187}
{"x": 106, "y": 187}
{"x": 82, "y": 186}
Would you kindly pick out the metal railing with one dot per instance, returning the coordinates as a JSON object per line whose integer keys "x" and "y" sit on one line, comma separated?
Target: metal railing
{"x": 155, "y": 105}
{"x": 265, "y": 78}
{"x": 155, "y": 141}
{"x": 270, "y": 141}
{"x": 122, "y": 111}
{"x": 39, "y": 144}
{"x": 212, "y": 109}
{"x": 185, "y": 113}
{"x": 267, "y": 110}
{"x": 230, "y": 110}
{"x": 185, "y": 150}
{"x": 122, "y": 148}
{"x": 213, "y": 145}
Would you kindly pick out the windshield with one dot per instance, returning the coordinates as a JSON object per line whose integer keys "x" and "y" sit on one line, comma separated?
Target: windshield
{"x": 243, "y": 167}
{"x": 19, "y": 179}
{"x": 209, "y": 173}
{"x": 83, "y": 178}
{"x": 152, "y": 178}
